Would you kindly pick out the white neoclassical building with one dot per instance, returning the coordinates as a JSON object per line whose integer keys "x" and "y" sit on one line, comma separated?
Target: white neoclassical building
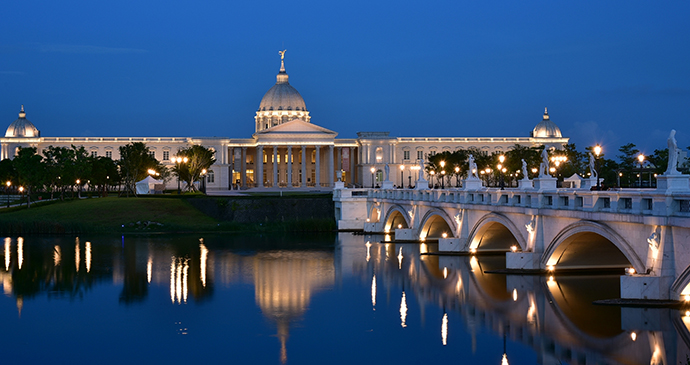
{"x": 287, "y": 150}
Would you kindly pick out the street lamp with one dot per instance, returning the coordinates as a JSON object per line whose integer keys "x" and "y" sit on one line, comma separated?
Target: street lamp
{"x": 78, "y": 189}
{"x": 597, "y": 152}
{"x": 501, "y": 159}
{"x": 203, "y": 181}
{"x": 640, "y": 159}
{"x": 457, "y": 176}
{"x": 443, "y": 173}
{"x": 179, "y": 160}
{"x": 402, "y": 179}
{"x": 21, "y": 191}
{"x": 432, "y": 173}
{"x": 372, "y": 176}
{"x": 7, "y": 190}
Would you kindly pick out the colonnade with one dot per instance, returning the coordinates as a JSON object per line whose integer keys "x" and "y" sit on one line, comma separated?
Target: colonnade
{"x": 291, "y": 166}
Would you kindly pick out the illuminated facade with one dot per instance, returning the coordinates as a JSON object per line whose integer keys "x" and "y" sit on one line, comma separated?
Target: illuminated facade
{"x": 287, "y": 151}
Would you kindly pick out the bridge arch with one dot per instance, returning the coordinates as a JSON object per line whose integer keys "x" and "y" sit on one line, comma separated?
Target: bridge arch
{"x": 434, "y": 223}
{"x": 681, "y": 286}
{"x": 588, "y": 244}
{"x": 395, "y": 217}
{"x": 499, "y": 227}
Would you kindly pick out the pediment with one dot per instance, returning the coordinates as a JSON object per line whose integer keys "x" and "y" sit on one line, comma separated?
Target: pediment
{"x": 296, "y": 131}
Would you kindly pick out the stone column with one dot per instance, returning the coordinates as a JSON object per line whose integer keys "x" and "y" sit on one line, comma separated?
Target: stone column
{"x": 339, "y": 159}
{"x": 259, "y": 166}
{"x": 243, "y": 170}
{"x": 329, "y": 178}
{"x": 275, "y": 166}
{"x": 289, "y": 166}
{"x": 304, "y": 166}
{"x": 317, "y": 167}
{"x": 352, "y": 165}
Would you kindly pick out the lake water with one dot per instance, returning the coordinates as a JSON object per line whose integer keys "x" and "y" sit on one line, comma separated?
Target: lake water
{"x": 326, "y": 299}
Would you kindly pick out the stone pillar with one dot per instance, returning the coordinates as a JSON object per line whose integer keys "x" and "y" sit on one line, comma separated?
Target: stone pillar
{"x": 329, "y": 178}
{"x": 243, "y": 170}
{"x": 304, "y": 166}
{"x": 339, "y": 159}
{"x": 259, "y": 166}
{"x": 289, "y": 166}
{"x": 275, "y": 166}
{"x": 352, "y": 165}
{"x": 317, "y": 168}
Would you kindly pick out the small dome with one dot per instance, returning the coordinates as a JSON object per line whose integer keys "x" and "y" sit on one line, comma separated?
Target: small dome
{"x": 22, "y": 127}
{"x": 546, "y": 128}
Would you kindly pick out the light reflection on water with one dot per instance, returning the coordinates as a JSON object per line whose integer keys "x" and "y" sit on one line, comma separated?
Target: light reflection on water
{"x": 274, "y": 299}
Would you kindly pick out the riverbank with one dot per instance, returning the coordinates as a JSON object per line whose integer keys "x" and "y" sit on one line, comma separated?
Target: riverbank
{"x": 170, "y": 214}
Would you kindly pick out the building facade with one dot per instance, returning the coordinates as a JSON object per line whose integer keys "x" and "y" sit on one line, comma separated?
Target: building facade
{"x": 288, "y": 151}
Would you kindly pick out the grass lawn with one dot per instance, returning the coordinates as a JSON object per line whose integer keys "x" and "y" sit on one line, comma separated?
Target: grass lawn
{"x": 106, "y": 215}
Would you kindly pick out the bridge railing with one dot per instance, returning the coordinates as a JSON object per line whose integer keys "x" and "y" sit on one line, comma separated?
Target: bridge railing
{"x": 626, "y": 201}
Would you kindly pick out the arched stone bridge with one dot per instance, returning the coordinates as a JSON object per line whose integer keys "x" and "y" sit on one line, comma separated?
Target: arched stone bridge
{"x": 644, "y": 230}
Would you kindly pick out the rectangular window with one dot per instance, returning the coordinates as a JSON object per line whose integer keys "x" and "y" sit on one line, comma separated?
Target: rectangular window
{"x": 166, "y": 155}
{"x": 406, "y": 155}
{"x": 420, "y": 155}
{"x": 647, "y": 204}
{"x": 152, "y": 153}
{"x": 109, "y": 154}
{"x": 211, "y": 177}
{"x": 94, "y": 153}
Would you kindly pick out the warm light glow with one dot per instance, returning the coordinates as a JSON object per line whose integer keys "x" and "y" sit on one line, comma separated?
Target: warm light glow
{"x": 179, "y": 269}
{"x": 8, "y": 183}
{"x": 368, "y": 250}
{"x": 473, "y": 250}
{"x": 373, "y": 292}
{"x": 499, "y": 166}
{"x": 87, "y": 255}
{"x": 444, "y": 329}
{"x": 423, "y": 248}
{"x": 640, "y": 158}
{"x": 387, "y": 238}
{"x": 552, "y": 268}
{"x": 57, "y": 255}
{"x": 7, "y": 253}
{"x": 204, "y": 257}
{"x": 20, "y": 252}
{"x": 504, "y": 360}
{"x": 444, "y": 235}
{"x": 534, "y": 170}
{"x": 21, "y": 189}
{"x": 400, "y": 258}
{"x": 78, "y": 181}
{"x": 445, "y": 272}
{"x": 551, "y": 279}
{"x": 149, "y": 269}
{"x": 399, "y": 226}
{"x": 501, "y": 158}
{"x": 457, "y": 169}
{"x": 513, "y": 248}
{"x": 552, "y": 169}
{"x": 631, "y": 271}
{"x": 77, "y": 255}
{"x": 372, "y": 170}
{"x": 515, "y": 295}
{"x": 403, "y": 310}
{"x": 597, "y": 150}
{"x": 402, "y": 167}
{"x": 633, "y": 336}
{"x": 687, "y": 297}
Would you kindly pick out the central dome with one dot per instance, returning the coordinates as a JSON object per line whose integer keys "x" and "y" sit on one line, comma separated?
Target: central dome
{"x": 546, "y": 128}
{"x": 281, "y": 103}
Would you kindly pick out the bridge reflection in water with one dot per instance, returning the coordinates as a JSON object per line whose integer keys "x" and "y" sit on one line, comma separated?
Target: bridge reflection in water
{"x": 553, "y": 315}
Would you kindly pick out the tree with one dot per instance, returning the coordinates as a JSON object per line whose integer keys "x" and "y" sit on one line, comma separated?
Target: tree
{"x": 628, "y": 160}
{"x": 517, "y": 153}
{"x": 31, "y": 171}
{"x": 199, "y": 160}
{"x": 659, "y": 159}
{"x": 103, "y": 174}
{"x": 135, "y": 162}
{"x": 59, "y": 170}
{"x": 7, "y": 171}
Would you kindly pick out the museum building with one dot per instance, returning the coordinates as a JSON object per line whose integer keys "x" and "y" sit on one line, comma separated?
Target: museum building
{"x": 287, "y": 150}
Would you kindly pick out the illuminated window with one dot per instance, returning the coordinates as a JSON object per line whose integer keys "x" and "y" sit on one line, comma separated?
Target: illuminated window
{"x": 166, "y": 155}
{"x": 379, "y": 154}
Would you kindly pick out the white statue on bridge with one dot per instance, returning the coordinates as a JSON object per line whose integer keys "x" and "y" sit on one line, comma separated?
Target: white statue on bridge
{"x": 421, "y": 170}
{"x": 472, "y": 173}
{"x": 524, "y": 170}
{"x": 673, "y": 152}
{"x": 544, "y": 166}
{"x": 592, "y": 170}
{"x": 388, "y": 171}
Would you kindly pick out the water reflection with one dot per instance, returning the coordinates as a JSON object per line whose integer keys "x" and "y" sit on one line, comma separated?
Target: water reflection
{"x": 552, "y": 316}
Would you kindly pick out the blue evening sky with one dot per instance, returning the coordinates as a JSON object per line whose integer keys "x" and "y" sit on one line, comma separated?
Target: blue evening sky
{"x": 610, "y": 72}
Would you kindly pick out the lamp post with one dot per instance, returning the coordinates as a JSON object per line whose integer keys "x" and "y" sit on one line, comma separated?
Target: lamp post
{"x": 372, "y": 177}
{"x": 597, "y": 152}
{"x": 203, "y": 181}
{"x": 402, "y": 178}
{"x": 501, "y": 159}
{"x": 640, "y": 159}
{"x": 7, "y": 191}
{"x": 443, "y": 174}
{"x": 457, "y": 176}
{"x": 21, "y": 191}
{"x": 432, "y": 173}
{"x": 179, "y": 160}
{"x": 78, "y": 189}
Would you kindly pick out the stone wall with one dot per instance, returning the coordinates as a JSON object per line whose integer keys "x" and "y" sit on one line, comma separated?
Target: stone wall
{"x": 266, "y": 209}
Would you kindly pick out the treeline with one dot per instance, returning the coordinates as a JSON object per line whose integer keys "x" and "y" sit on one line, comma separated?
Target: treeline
{"x": 60, "y": 169}
{"x": 621, "y": 171}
